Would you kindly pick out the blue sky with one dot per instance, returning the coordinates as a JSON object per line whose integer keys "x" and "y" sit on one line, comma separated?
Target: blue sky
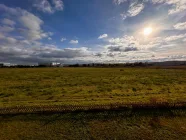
{"x": 86, "y": 31}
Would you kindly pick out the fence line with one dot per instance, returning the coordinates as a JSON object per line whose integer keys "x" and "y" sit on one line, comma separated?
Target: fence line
{"x": 101, "y": 107}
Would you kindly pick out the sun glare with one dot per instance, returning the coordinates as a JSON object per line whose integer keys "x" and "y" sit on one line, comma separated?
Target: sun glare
{"x": 147, "y": 31}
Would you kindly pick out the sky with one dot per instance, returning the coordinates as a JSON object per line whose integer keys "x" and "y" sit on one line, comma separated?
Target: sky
{"x": 92, "y": 31}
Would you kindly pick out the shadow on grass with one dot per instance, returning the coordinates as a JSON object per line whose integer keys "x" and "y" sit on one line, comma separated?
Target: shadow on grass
{"x": 48, "y": 118}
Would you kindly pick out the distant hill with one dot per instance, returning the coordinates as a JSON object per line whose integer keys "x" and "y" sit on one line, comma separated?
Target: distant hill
{"x": 169, "y": 63}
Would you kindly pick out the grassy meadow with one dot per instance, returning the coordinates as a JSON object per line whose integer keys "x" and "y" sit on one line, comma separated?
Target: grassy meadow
{"x": 86, "y": 86}
{"x": 90, "y": 86}
{"x": 92, "y": 126}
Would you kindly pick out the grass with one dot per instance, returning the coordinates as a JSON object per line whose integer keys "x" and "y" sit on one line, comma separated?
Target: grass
{"x": 86, "y": 86}
{"x": 90, "y": 86}
{"x": 101, "y": 125}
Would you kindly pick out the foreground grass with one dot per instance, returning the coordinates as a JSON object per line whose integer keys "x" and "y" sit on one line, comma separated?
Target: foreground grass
{"x": 85, "y": 86}
{"x": 106, "y": 125}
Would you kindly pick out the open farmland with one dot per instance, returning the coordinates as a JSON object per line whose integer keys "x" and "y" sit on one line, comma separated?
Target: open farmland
{"x": 143, "y": 125}
{"x": 89, "y": 86}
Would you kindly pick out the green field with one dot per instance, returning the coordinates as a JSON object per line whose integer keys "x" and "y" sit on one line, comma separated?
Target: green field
{"x": 87, "y": 86}
{"x": 144, "y": 125}
{"x": 93, "y": 86}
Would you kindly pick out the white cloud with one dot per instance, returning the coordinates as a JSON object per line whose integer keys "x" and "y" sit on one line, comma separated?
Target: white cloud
{"x": 124, "y": 40}
{"x": 6, "y": 29}
{"x": 73, "y": 42}
{"x": 180, "y": 26}
{"x": 134, "y": 10}
{"x": 118, "y": 2}
{"x": 2, "y": 36}
{"x": 158, "y": 1}
{"x": 124, "y": 44}
{"x": 116, "y": 48}
{"x": 25, "y": 42}
{"x": 43, "y": 5}
{"x": 177, "y": 5}
{"x": 7, "y": 40}
{"x": 46, "y": 7}
{"x": 15, "y": 51}
{"x": 103, "y": 36}
{"x": 45, "y": 54}
{"x": 31, "y": 22}
{"x": 19, "y": 52}
{"x": 63, "y": 39}
{"x": 30, "y": 25}
{"x": 162, "y": 43}
{"x": 167, "y": 40}
{"x": 7, "y": 21}
{"x": 123, "y": 16}
{"x": 13, "y": 11}
{"x": 49, "y": 38}
{"x": 174, "y": 37}
{"x": 11, "y": 40}
{"x": 157, "y": 44}
{"x": 58, "y": 4}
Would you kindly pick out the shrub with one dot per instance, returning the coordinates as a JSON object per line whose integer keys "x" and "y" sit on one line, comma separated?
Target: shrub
{"x": 134, "y": 89}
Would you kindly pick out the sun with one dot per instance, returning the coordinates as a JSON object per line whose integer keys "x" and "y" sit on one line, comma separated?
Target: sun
{"x": 147, "y": 31}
